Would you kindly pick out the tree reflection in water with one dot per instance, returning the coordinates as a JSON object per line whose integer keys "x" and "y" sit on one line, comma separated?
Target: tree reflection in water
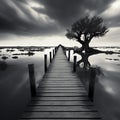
{"x": 84, "y": 62}
{"x": 85, "y": 70}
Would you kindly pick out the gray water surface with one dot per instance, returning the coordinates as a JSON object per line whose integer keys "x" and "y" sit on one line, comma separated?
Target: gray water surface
{"x": 14, "y": 80}
{"x": 15, "y": 88}
{"x": 107, "y": 82}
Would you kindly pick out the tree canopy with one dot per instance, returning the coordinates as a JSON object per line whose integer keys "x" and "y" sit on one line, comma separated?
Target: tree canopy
{"x": 83, "y": 30}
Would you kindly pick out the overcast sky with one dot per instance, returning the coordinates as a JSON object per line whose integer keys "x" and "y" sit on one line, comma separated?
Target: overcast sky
{"x": 39, "y": 22}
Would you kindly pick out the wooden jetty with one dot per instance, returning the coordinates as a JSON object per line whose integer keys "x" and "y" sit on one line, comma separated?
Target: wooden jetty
{"x": 61, "y": 95}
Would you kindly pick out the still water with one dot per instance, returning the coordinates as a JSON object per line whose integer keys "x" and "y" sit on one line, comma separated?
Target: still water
{"x": 107, "y": 91}
{"x": 15, "y": 88}
{"x": 14, "y": 79}
{"x": 107, "y": 81}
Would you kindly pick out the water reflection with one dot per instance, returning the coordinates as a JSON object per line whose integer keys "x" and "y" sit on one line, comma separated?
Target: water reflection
{"x": 3, "y": 65}
{"x": 84, "y": 62}
{"x": 14, "y": 78}
{"x": 107, "y": 81}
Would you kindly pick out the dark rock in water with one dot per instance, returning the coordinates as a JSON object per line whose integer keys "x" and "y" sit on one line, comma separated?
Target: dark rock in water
{"x": 22, "y": 50}
{"x": 15, "y": 57}
{"x": 3, "y": 65}
{"x": 116, "y": 59}
{"x": 109, "y": 52}
{"x": 7, "y": 50}
{"x": 108, "y": 58}
{"x": 10, "y": 50}
{"x": 30, "y": 53}
{"x": 4, "y": 57}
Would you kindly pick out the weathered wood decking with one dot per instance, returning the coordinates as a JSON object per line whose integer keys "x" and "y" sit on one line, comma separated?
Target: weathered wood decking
{"x": 61, "y": 95}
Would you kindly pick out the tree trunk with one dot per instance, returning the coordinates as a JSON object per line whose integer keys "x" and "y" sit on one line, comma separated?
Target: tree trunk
{"x": 85, "y": 47}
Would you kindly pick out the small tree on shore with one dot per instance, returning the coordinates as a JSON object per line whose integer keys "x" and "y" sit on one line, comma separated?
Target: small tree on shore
{"x": 85, "y": 29}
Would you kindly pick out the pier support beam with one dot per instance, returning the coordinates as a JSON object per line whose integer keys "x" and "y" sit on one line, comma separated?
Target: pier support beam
{"x": 32, "y": 79}
{"x": 53, "y": 53}
{"x": 68, "y": 55}
{"x": 50, "y": 57}
{"x": 45, "y": 63}
{"x": 92, "y": 83}
{"x": 74, "y": 63}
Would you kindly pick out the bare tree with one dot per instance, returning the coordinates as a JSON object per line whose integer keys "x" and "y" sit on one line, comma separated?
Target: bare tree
{"x": 85, "y": 29}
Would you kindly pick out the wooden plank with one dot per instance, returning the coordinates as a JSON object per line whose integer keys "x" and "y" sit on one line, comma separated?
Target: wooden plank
{"x": 59, "y": 119}
{"x": 59, "y": 102}
{"x": 59, "y": 79}
{"x": 62, "y": 115}
{"x": 61, "y": 108}
{"x": 61, "y": 98}
{"x": 68, "y": 73}
{"x": 61, "y": 82}
{"x": 57, "y": 86}
{"x": 58, "y": 70}
{"x": 61, "y": 94}
{"x": 66, "y": 88}
{"x": 60, "y": 85}
{"x": 59, "y": 90}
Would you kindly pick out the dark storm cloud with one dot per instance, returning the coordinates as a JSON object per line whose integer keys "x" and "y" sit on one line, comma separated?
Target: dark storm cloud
{"x": 16, "y": 16}
{"x": 68, "y": 11}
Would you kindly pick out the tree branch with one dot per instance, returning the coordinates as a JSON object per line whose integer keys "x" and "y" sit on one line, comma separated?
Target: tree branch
{"x": 79, "y": 40}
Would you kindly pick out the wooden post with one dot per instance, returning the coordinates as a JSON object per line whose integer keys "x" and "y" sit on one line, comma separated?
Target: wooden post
{"x": 50, "y": 57}
{"x": 92, "y": 83}
{"x": 74, "y": 64}
{"x": 45, "y": 63}
{"x": 65, "y": 52}
{"x": 55, "y": 50}
{"x": 68, "y": 55}
{"x": 73, "y": 51}
{"x": 53, "y": 53}
{"x": 32, "y": 79}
